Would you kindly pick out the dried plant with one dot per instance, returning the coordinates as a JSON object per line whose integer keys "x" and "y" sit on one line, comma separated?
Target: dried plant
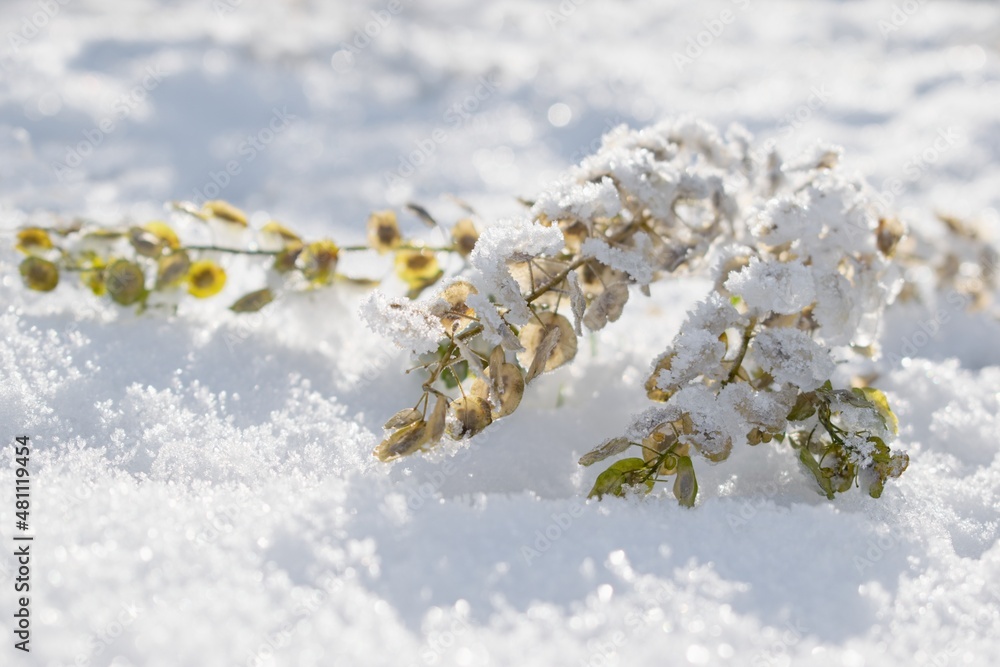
{"x": 802, "y": 276}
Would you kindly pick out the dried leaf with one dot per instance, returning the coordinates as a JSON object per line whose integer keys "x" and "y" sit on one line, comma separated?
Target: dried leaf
{"x": 549, "y": 342}
{"x": 252, "y": 302}
{"x": 509, "y": 385}
{"x": 223, "y": 210}
{"x": 422, "y": 213}
{"x": 498, "y": 357}
{"x": 436, "y": 424}
{"x": 607, "y": 449}
{"x": 472, "y": 415}
{"x": 405, "y": 441}
{"x": 403, "y": 418}
{"x": 607, "y": 307}
{"x": 685, "y": 484}
{"x": 171, "y": 269}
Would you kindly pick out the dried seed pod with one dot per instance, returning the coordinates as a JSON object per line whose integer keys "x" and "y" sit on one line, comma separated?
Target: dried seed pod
{"x": 464, "y": 235}
{"x": 318, "y": 261}
{"x": 685, "y": 484}
{"x": 33, "y": 240}
{"x": 890, "y": 231}
{"x": 453, "y": 310}
{"x": 480, "y": 389}
{"x": 253, "y": 302}
{"x": 472, "y": 415}
{"x": 606, "y": 449}
{"x": 145, "y": 243}
{"x": 438, "y": 420}
{"x": 277, "y": 236}
{"x": 497, "y": 357}
{"x": 125, "y": 282}
{"x": 224, "y": 211}
{"x": 653, "y": 390}
{"x": 383, "y": 231}
{"x": 205, "y": 278}
{"x": 607, "y": 307}
{"x": 509, "y": 385}
{"x": 164, "y": 232}
{"x": 402, "y": 418}
{"x": 172, "y": 269}
{"x": 417, "y": 268}
{"x": 549, "y": 342}
{"x": 39, "y": 274}
{"x": 403, "y": 442}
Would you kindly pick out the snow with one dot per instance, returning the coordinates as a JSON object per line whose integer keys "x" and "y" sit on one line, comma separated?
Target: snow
{"x": 204, "y": 491}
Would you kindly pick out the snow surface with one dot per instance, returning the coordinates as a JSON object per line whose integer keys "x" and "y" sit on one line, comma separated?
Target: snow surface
{"x": 204, "y": 488}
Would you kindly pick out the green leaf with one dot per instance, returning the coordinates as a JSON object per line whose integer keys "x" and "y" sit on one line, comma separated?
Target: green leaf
{"x": 621, "y": 473}
{"x": 810, "y": 463}
{"x": 685, "y": 484}
{"x": 805, "y": 407}
{"x": 455, "y": 373}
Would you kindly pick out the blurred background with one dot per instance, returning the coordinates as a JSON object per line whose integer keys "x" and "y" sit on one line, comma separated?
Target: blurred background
{"x": 317, "y": 112}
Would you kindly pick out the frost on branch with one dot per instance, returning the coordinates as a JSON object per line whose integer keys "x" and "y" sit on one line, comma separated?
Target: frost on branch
{"x": 408, "y": 324}
{"x": 800, "y": 262}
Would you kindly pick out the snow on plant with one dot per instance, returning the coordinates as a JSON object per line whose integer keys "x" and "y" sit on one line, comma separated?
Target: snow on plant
{"x": 801, "y": 268}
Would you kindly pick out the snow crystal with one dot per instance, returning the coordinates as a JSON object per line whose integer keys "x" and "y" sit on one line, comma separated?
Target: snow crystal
{"x": 582, "y": 201}
{"x": 636, "y": 261}
{"x": 777, "y": 287}
{"x": 696, "y": 352}
{"x": 410, "y": 325}
{"x": 790, "y": 355}
{"x": 500, "y": 243}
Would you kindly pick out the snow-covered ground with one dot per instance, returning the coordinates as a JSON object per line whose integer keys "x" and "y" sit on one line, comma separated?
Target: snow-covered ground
{"x": 204, "y": 492}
